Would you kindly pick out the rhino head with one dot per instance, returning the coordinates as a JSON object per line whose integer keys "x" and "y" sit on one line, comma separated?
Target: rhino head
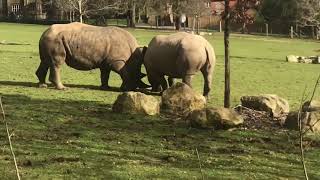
{"x": 132, "y": 74}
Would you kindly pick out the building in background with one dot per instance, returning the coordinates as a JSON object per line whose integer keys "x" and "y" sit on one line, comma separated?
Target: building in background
{"x": 17, "y": 9}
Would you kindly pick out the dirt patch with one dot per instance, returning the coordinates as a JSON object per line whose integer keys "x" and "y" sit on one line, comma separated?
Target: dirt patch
{"x": 260, "y": 120}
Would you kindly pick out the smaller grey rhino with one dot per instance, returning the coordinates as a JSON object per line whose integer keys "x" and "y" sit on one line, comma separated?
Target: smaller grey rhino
{"x": 179, "y": 55}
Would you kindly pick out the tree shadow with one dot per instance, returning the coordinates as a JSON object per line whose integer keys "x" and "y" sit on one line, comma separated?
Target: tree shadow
{"x": 51, "y": 129}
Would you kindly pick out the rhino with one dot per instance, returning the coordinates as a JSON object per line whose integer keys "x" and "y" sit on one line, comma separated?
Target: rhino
{"x": 85, "y": 47}
{"x": 179, "y": 55}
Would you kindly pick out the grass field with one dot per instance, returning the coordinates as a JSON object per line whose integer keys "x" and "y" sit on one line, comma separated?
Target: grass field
{"x": 73, "y": 134}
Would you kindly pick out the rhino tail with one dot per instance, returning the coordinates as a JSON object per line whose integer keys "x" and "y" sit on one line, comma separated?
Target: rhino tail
{"x": 211, "y": 58}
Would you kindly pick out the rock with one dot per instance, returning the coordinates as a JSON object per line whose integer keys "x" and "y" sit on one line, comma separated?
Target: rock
{"x": 306, "y": 61}
{"x": 292, "y": 59}
{"x": 136, "y": 103}
{"x": 273, "y": 104}
{"x": 180, "y": 99}
{"x": 217, "y": 118}
{"x": 314, "y": 105}
{"x": 310, "y": 121}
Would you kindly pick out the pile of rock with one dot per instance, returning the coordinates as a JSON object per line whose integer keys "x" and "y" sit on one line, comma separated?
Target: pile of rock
{"x": 182, "y": 101}
{"x": 262, "y": 110}
{"x": 302, "y": 59}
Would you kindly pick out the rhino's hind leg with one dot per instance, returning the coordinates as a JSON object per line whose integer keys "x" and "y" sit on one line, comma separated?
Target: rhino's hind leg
{"x": 207, "y": 76}
{"x": 41, "y": 74}
{"x": 55, "y": 77}
{"x": 104, "y": 76}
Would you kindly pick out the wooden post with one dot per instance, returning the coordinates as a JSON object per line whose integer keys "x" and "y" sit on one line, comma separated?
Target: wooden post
{"x": 227, "y": 57}
{"x": 291, "y": 32}
{"x": 157, "y": 23}
{"x": 267, "y": 29}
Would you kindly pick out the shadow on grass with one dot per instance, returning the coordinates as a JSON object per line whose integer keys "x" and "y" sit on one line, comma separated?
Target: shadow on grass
{"x": 80, "y": 138}
{"x": 32, "y": 84}
{"x": 92, "y": 87}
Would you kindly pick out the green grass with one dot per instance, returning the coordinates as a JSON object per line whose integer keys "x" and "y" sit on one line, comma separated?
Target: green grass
{"x": 74, "y": 134}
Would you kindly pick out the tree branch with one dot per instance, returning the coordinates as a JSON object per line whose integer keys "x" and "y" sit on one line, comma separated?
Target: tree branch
{"x": 9, "y": 139}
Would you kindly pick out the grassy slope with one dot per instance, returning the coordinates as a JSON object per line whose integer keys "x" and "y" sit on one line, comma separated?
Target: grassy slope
{"x": 74, "y": 133}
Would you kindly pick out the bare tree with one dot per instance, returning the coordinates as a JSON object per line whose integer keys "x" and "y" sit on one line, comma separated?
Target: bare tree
{"x": 308, "y": 14}
{"x": 87, "y": 7}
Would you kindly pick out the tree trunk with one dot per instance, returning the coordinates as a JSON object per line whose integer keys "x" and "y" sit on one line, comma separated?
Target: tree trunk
{"x": 178, "y": 23}
{"x": 198, "y": 25}
{"x": 193, "y": 23}
{"x": 80, "y": 11}
{"x": 139, "y": 15}
{"x": 227, "y": 58}
{"x": 132, "y": 14}
{"x": 243, "y": 29}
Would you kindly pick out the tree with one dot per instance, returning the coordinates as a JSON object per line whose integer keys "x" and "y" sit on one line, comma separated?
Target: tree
{"x": 275, "y": 10}
{"x": 176, "y": 8}
{"x": 241, "y": 13}
{"x": 87, "y": 7}
{"x": 308, "y": 14}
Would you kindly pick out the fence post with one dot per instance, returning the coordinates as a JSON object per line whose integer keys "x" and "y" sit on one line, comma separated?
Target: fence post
{"x": 291, "y": 32}
{"x": 267, "y": 29}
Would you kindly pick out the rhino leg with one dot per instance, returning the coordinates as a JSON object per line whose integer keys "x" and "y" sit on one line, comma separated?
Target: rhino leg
{"x": 42, "y": 73}
{"x": 105, "y": 73}
{"x": 187, "y": 79}
{"x": 164, "y": 84}
{"x": 170, "y": 81}
{"x": 55, "y": 77}
{"x": 207, "y": 76}
{"x": 154, "y": 80}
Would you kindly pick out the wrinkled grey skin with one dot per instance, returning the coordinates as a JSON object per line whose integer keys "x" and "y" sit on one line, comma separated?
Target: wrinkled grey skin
{"x": 179, "y": 55}
{"x": 85, "y": 47}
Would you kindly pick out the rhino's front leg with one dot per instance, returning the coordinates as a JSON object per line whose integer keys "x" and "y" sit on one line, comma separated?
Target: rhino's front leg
{"x": 55, "y": 77}
{"x": 164, "y": 84}
{"x": 105, "y": 73}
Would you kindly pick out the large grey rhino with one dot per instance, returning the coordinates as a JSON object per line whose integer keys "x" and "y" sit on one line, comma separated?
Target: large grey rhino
{"x": 86, "y": 47}
{"x": 179, "y": 55}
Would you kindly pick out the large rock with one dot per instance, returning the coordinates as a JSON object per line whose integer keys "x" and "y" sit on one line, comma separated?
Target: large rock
{"x": 136, "y": 103}
{"x": 302, "y": 59}
{"x": 180, "y": 99}
{"x": 217, "y": 118}
{"x": 273, "y": 104}
{"x": 292, "y": 59}
{"x": 310, "y": 121}
{"x": 314, "y": 105}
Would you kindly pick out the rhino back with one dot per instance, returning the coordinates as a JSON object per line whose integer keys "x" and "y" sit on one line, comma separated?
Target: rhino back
{"x": 175, "y": 54}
